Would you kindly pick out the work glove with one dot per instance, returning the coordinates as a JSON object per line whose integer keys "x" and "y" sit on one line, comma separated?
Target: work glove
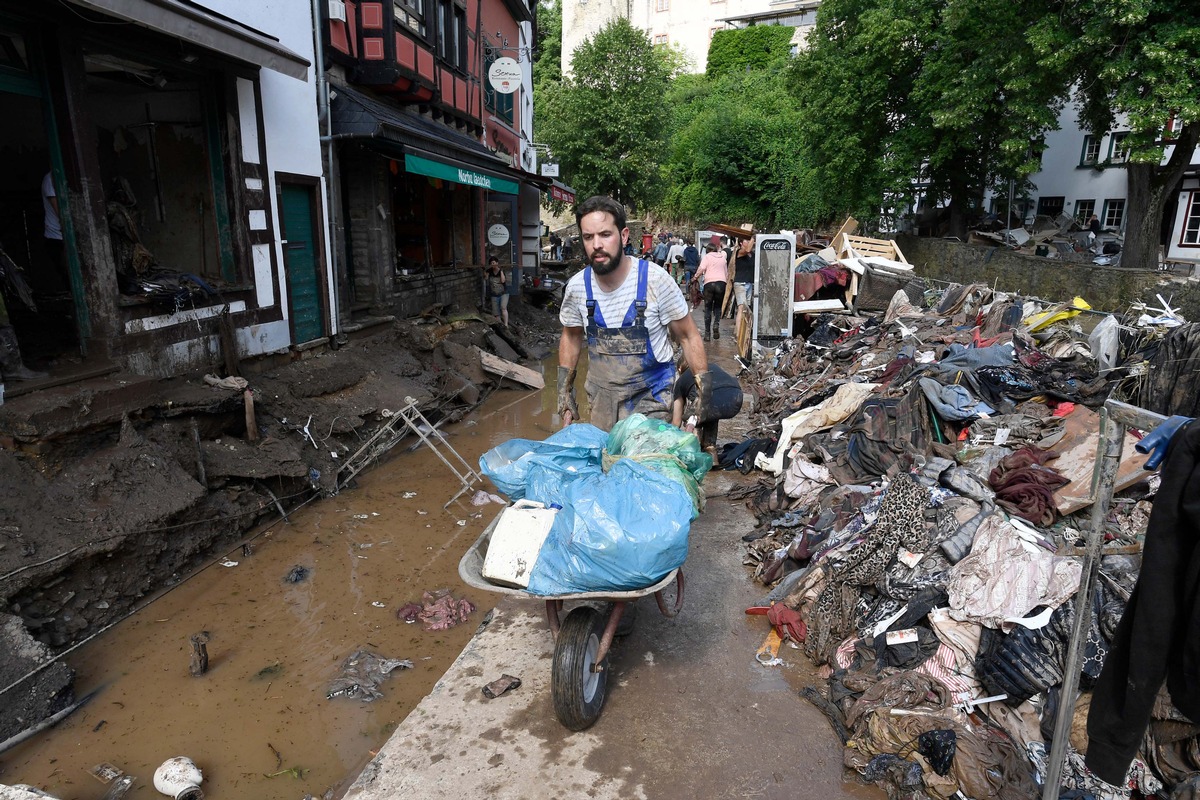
{"x": 1156, "y": 441}
{"x": 703, "y": 396}
{"x": 566, "y": 394}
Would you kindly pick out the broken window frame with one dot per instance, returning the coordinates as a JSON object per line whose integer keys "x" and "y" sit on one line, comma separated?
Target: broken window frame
{"x": 214, "y": 85}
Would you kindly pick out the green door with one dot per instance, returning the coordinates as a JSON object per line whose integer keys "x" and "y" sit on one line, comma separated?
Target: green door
{"x": 301, "y": 262}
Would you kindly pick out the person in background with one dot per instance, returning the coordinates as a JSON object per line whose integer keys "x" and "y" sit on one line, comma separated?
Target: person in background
{"x": 555, "y": 246}
{"x": 497, "y": 289}
{"x": 714, "y": 272}
{"x": 52, "y": 233}
{"x": 659, "y": 255}
{"x": 743, "y": 273}
{"x": 674, "y": 252}
{"x": 626, "y": 311}
{"x": 691, "y": 261}
{"x": 568, "y": 250}
{"x": 726, "y": 403}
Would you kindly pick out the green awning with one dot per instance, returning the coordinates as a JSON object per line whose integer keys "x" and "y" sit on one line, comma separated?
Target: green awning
{"x": 456, "y": 174}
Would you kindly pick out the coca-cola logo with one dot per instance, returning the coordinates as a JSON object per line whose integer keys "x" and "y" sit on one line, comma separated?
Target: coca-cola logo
{"x": 776, "y": 244}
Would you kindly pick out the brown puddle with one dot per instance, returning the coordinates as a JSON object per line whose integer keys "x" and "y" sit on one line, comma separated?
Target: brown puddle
{"x": 275, "y": 645}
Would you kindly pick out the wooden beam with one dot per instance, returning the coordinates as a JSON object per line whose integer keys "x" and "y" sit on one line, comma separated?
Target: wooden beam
{"x": 507, "y": 369}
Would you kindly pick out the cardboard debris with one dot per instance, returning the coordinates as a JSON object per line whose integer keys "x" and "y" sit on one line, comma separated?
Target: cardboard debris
{"x": 1077, "y": 460}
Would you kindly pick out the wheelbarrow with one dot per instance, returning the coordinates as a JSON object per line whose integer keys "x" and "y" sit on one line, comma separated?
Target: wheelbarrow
{"x": 579, "y": 668}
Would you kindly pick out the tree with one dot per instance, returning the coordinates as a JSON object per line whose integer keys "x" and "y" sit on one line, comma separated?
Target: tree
{"x": 604, "y": 122}
{"x": 733, "y": 151}
{"x": 1138, "y": 64}
{"x": 547, "y": 62}
{"x": 941, "y": 98}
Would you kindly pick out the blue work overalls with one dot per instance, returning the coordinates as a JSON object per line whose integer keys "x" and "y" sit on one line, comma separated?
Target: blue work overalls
{"x": 624, "y": 377}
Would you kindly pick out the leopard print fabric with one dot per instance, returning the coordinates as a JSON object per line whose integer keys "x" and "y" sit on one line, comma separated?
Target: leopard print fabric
{"x": 900, "y": 523}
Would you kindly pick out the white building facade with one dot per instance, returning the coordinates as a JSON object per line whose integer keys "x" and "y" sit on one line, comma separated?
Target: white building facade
{"x": 689, "y": 24}
{"x": 1084, "y": 174}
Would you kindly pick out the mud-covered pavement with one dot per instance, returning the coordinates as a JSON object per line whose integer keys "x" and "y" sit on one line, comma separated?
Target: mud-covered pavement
{"x": 118, "y": 488}
{"x": 690, "y": 712}
{"x": 281, "y": 616}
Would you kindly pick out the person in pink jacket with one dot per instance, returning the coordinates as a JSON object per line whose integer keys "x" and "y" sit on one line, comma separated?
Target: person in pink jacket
{"x": 715, "y": 273}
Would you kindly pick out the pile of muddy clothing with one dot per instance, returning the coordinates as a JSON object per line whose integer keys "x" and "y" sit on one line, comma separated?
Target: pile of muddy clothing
{"x": 931, "y": 479}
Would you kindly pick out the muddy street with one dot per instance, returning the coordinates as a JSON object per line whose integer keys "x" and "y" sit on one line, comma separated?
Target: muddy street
{"x": 275, "y": 645}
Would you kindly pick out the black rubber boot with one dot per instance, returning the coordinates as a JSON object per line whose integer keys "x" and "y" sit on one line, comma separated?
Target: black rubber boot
{"x": 11, "y": 366}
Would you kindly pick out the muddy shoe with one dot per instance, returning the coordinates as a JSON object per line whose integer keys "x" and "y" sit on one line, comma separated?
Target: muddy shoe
{"x": 716, "y": 333}
{"x": 706, "y": 337}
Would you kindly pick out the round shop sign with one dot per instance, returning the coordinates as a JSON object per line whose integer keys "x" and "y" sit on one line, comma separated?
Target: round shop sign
{"x": 498, "y": 234}
{"x": 505, "y": 75}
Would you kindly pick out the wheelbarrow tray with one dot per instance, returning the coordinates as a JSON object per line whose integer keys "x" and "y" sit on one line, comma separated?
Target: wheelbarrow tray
{"x": 579, "y": 667}
{"x": 470, "y": 569}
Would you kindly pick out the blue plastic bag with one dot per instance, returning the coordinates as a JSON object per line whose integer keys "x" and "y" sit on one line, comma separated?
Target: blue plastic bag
{"x": 618, "y": 531}
{"x": 523, "y": 468}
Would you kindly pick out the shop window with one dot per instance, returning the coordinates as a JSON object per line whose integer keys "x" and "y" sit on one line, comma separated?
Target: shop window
{"x": 500, "y": 104}
{"x": 162, "y": 172}
{"x": 1114, "y": 213}
{"x": 1091, "y": 151}
{"x": 1191, "y": 222}
{"x": 411, "y": 14}
{"x": 1084, "y": 210}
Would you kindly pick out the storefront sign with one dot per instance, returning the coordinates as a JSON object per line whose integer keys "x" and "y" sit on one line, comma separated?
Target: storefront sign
{"x": 498, "y": 234}
{"x": 562, "y": 193}
{"x": 549, "y": 170}
{"x": 456, "y": 174}
{"x": 505, "y": 75}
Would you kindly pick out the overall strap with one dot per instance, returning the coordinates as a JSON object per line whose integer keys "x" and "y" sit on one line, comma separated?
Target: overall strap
{"x": 593, "y": 309}
{"x": 637, "y": 309}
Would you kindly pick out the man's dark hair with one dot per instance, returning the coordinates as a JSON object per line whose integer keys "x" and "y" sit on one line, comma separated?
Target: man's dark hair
{"x": 603, "y": 203}
{"x": 493, "y": 260}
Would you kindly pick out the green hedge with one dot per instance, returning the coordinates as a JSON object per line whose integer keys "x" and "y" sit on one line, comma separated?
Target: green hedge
{"x": 748, "y": 48}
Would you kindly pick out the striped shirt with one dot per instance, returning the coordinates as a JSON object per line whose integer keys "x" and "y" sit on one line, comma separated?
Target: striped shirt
{"x": 664, "y": 305}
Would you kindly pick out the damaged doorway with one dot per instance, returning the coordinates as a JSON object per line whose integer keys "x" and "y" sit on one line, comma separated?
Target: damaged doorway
{"x": 163, "y": 178}
{"x": 44, "y": 320}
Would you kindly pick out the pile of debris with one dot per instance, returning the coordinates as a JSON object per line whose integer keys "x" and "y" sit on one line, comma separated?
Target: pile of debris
{"x": 931, "y": 476}
{"x": 1060, "y": 237}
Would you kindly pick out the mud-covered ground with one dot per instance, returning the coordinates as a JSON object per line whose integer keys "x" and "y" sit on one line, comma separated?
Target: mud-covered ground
{"x": 118, "y": 488}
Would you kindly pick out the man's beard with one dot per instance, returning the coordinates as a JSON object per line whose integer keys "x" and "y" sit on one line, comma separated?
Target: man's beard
{"x": 608, "y": 266}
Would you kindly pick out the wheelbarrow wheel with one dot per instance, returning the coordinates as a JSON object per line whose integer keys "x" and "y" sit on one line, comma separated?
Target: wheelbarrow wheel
{"x": 577, "y": 689}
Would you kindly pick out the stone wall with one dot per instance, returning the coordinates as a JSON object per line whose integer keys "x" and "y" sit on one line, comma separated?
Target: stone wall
{"x": 1105, "y": 288}
{"x": 415, "y": 293}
